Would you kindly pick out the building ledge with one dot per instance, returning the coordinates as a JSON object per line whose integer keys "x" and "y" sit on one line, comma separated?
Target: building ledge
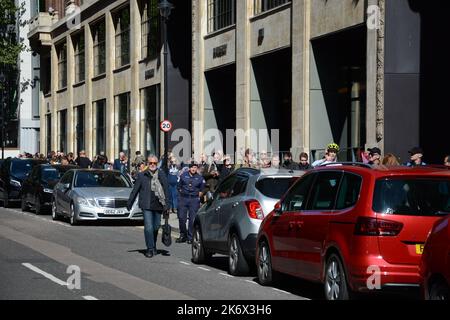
{"x": 99, "y": 77}
{"x": 220, "y": 31}
{"x": 122, "y": 68}
{"x": 61, "y": 90}
{"x": 79, "y": 84}
{"x": 267, "y": 13}
{"x": 47, "y": 95}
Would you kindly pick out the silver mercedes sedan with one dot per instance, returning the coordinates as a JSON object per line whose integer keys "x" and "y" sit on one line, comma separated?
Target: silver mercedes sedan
{"x": 87, "y": 195}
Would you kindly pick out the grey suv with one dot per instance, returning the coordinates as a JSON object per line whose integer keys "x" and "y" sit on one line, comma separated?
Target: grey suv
{"x": 229, "y": 221}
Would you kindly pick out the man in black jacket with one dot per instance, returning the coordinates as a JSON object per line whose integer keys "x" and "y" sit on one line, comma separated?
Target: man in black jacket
{"x": 153, "y": 192}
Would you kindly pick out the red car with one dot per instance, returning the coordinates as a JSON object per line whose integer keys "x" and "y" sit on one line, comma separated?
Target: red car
{"x": 353, "y": 228}
{"x": 435, "y": 266}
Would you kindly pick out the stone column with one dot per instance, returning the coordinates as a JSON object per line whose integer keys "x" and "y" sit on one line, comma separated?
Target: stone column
{"x": 371, "y": 83}
{"x": 111, "y": 144}
{"x": 54, "y": 85}
{"x": 243, "y": 68}
{"x": 89, "y": 73}
{"x": 199, "y": 25}
{"x": 135, "y": 51}
{"x": 70, "y": 81}
{"x": 300, "y": 76}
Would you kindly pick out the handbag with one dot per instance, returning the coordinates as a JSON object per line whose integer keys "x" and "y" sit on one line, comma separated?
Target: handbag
{"x": 166, "y": 237}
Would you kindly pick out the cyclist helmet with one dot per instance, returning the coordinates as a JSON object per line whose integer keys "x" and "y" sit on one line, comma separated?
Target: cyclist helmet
{"x": 333, "y": 147}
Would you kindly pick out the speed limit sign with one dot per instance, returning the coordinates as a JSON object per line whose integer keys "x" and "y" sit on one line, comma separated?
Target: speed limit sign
{"x": 165, "y": 125}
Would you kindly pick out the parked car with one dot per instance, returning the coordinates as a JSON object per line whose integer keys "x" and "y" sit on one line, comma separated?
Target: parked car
{"x": 435, "y": 266}
{"x": 12, "y": 174}
{"x": 353, "y": 228}
{"x": 88, "y": 195}
{"x": 37, "y": 189}
{"x": 228, "y": 223}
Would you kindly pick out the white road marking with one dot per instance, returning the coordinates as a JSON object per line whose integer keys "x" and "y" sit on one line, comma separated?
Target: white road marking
{"x": 185, "y": 263}
{"x": 45, "y": 274}
{"x": 89, "y": 298}
{"x": 226, "y": 275}
{"x": 205, "y": 269}
{"x": 282, "y": 291}
{"x": 252, "y": 282}
{"x": 37, "y": 217}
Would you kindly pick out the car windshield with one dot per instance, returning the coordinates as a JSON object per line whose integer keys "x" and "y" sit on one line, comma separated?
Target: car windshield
{"x": 21, "y": 168}
{"x": 95, "y": 179}
{"x": 49, "y": 174}
{"x": 417, "y": 197}
{"x": 274, "y": 187}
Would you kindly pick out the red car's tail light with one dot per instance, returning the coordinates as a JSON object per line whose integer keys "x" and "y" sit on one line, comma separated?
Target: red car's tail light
{"x": 254, "y": 209}
{"x": 366, "y": 226}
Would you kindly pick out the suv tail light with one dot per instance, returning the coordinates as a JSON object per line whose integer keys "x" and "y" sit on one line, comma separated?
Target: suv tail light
{"x": 366, "y": 226}
{"x": 254, "y": 209}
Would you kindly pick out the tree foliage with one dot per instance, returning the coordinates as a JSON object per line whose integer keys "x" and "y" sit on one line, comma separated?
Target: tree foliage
{"x": 10, "y": 44}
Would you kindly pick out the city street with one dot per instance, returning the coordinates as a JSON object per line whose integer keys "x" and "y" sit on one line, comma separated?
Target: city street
{"x": 35, "y": 253}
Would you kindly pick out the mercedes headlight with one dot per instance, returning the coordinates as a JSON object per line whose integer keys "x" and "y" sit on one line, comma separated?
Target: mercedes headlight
{"x": 86, "y": 202}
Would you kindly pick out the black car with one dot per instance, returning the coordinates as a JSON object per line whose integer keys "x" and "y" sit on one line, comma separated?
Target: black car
{"x": 37, "y": 189}
{"x": 12, "y": 174}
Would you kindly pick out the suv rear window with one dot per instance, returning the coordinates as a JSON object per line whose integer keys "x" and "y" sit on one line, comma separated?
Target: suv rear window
{"x": 416, "y": 197}
{"x": 274, "y": 187}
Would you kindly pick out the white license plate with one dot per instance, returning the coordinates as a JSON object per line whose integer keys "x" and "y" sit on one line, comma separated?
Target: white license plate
{"x": 115, "y": 211}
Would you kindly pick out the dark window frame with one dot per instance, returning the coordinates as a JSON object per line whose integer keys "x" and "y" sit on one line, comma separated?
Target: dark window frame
{"x": 122, "y": 24}
{"x": 79, "y": 46}
{"x": 261, "y": 6}
{"x": 221, "y": 14}
{"x": 99, "y": 46}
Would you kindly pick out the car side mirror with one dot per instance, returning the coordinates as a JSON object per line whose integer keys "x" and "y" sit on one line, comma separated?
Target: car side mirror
{"x": 66, "y": 186}
{"x": 277, "y": 209}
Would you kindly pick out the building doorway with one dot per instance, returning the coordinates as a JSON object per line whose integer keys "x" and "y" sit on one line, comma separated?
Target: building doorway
{"x": 338, "y": 93}
{"x": 220, "y": 106}
{"x": 271, "y": 100}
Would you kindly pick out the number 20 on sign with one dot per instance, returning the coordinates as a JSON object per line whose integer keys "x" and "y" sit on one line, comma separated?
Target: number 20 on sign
{"x": 165, "y": 126}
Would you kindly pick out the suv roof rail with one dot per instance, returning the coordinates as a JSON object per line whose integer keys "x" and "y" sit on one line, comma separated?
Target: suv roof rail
{"x": 355, "y": 164}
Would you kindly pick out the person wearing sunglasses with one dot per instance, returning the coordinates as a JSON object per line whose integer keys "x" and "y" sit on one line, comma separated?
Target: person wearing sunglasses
{"x": 153, "y": 190}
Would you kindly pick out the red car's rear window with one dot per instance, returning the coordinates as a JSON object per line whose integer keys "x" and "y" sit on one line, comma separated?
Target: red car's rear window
{"x": 412, "y": 196}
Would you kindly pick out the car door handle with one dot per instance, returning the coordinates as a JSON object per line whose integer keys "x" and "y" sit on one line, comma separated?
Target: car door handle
{"x": 235, "y": 204}
{"x": 297, "y": 225}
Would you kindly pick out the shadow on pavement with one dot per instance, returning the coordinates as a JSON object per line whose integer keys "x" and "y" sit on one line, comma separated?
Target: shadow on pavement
{"x": 159, "y": 251}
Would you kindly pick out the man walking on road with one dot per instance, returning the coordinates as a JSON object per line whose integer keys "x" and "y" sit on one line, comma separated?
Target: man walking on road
{"x": 153, "y": 192}
{"x": 190, "y": 189}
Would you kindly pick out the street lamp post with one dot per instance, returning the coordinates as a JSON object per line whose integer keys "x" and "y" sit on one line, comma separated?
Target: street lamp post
{"x": 3, "y": 106}
{"x": 165, "y": 8}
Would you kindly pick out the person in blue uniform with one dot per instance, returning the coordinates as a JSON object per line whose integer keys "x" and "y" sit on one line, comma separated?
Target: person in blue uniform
{"x": 190, "y": 188}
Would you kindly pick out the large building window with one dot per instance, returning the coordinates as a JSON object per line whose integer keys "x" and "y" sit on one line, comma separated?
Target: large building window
{"x": 78, "y": 45}
{"x": 122, "y": 29}
{"x": 99, "y": 45}
{"x": 63, "y": 131}
{"x": 62, "y": 65}
{"x": 79, "y": 128}
{"x": 123, "y": 133}
{"x": 149, "y": 122}
{"x": 48, "y": 120}
{"x": 149, "y": 29}
{"x": 100, "y": 126}
{"x": 221, "y": 14}
{"x": 264, "y": 5}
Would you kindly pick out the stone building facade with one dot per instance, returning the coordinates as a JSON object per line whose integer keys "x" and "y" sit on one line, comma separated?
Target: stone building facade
{"x": 320, "y": 71}
{"x": 101, "y": 75}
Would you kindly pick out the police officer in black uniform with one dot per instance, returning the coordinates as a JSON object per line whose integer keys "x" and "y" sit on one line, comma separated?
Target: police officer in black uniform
{"x": 190, "y": 188}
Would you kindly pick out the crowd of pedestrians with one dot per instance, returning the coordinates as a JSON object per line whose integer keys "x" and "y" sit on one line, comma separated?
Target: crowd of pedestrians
{"x": 166, "y": 186}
